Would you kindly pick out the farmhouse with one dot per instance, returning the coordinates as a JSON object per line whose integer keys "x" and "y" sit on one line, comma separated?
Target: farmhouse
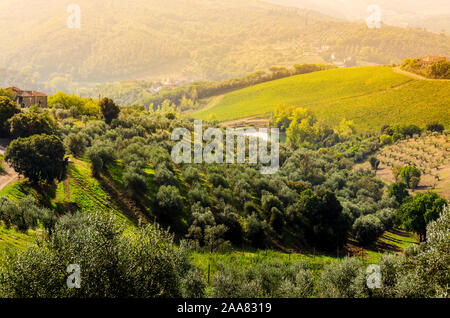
{"x": 29, "y": 98}
{"x": 428, "y": 60}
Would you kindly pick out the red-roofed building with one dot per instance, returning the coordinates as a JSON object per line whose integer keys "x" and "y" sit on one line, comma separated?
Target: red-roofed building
{"x": 29, "y": 98}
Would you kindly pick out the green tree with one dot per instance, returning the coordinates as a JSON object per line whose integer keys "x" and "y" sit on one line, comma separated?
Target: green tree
{"x": 76, "y": 144}
{"x": 374, "y": 163}
{"x": 26, "y": 124}
{"x": 367, "y": 229}
{"x": 109, "y": 110}
{"x": 440, "y": 69}
{"x": 399, "y": 190}
{"x": 101, "y": 154}
{"x": 411, "y": 176}
{"x": 40, "y": 158}
{"x": 7, "y": 110}
{"x": 416, "y": 212}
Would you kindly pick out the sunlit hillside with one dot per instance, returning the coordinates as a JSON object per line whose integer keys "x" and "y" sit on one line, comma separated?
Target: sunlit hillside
{"x": 371, "y": 96}
{"x": 186, "y": 40}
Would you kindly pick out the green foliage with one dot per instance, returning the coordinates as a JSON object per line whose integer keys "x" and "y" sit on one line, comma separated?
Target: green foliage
{"x": 135, "y": 180}
{"x": 436, "y": 127}
{"x": 109, "y": 110}
{"x": 416, "y": 212}
{"x": 76, "y": 144}
{"x": 26, "y": 214}
{"x": 385, "y": 140}
{"x": 26, "y": 124}
{"x": 169, "y": 201}
{"x": 100, "y": 154}
{"x": 367, "y": 229}
{"x": 374, "y": 163}
{"x": 399, "y": 190}
{"x": 338, "y": 280}
{"x": 440, "y": 69}
{"x": 326, "y": 226}
{"x": 411, "y": 176}
{"x": 75, "y": 104}
{"x": 113, "y": 264}
{"x": 40, "y": 158}
{"x": 7, "y": 110}
{"x": 382, "y": 96}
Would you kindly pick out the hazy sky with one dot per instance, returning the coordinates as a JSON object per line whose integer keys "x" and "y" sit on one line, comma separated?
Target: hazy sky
{"x": 357, "y": 8}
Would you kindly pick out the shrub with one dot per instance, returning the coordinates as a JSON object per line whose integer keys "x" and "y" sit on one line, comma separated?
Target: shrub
{"x": 76, "y": 144}
{"x": 163, "y": 176}
{"x": 411, "y": 176}
{"x": 134, "y": 179}
{"x": 257, "y": 231}
{"x": 231, "y": 283}
{"x": 374, "y": 163}
{"x": 169, "y": 200}
{"x": 191, "y": 175}
{"x": 100, "y": 154}
{"x": 112, "y": 263}
{"x": 386, "y": 140}
{"x": 386, "y": 216}
{"x": 338, "y": 280}
{"x": 301, "y": 287}
{"x": 367, "y": 229}
{"x": 435, "y": 127}
{"x": 277, "y": 220}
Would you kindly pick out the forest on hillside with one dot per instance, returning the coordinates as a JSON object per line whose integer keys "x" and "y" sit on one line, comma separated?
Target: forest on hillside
{"x": 148, "y": 40}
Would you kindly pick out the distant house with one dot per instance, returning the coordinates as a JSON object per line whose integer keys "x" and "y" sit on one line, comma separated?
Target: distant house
{"x": 29, "y": 98}
{"x": 428, "y": 60}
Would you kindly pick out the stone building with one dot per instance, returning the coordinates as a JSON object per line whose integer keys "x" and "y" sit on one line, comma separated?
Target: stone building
{"x": 29, "y": 98}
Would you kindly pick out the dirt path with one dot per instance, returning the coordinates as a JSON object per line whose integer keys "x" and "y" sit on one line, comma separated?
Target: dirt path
{"x": 213, "y": 103}
{"x": 9, "y": 175}
{"x": 415, "y": 76}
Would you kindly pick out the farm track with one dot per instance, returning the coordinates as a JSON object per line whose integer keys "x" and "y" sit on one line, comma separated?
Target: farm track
{"x": 416, "y": 76}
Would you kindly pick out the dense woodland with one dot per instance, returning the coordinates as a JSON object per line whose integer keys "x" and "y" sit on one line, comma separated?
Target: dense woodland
{"x": 315, "y": 201}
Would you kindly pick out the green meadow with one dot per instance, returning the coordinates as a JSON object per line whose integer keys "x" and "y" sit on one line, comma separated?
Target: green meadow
{"x": 370, "y": 96}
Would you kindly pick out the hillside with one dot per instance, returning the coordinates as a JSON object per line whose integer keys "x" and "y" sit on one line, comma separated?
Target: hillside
{"x": 430, "y": 153}
{"x": 194, "y": 39}
{"x": 432, "y": 15}
{"x": 370, "y": 96}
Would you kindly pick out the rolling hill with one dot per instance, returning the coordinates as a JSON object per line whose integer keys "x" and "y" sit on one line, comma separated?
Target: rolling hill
{"x": 432, "y": 15}
{"x": 185, "y": 39}
{"x": 370, "y": 96}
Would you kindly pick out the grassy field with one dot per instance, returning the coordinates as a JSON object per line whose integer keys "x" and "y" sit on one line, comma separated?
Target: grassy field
{"x": 11, "y": 239}
{"x": 393, "y": 241}
{"x": 371, "y": 96}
